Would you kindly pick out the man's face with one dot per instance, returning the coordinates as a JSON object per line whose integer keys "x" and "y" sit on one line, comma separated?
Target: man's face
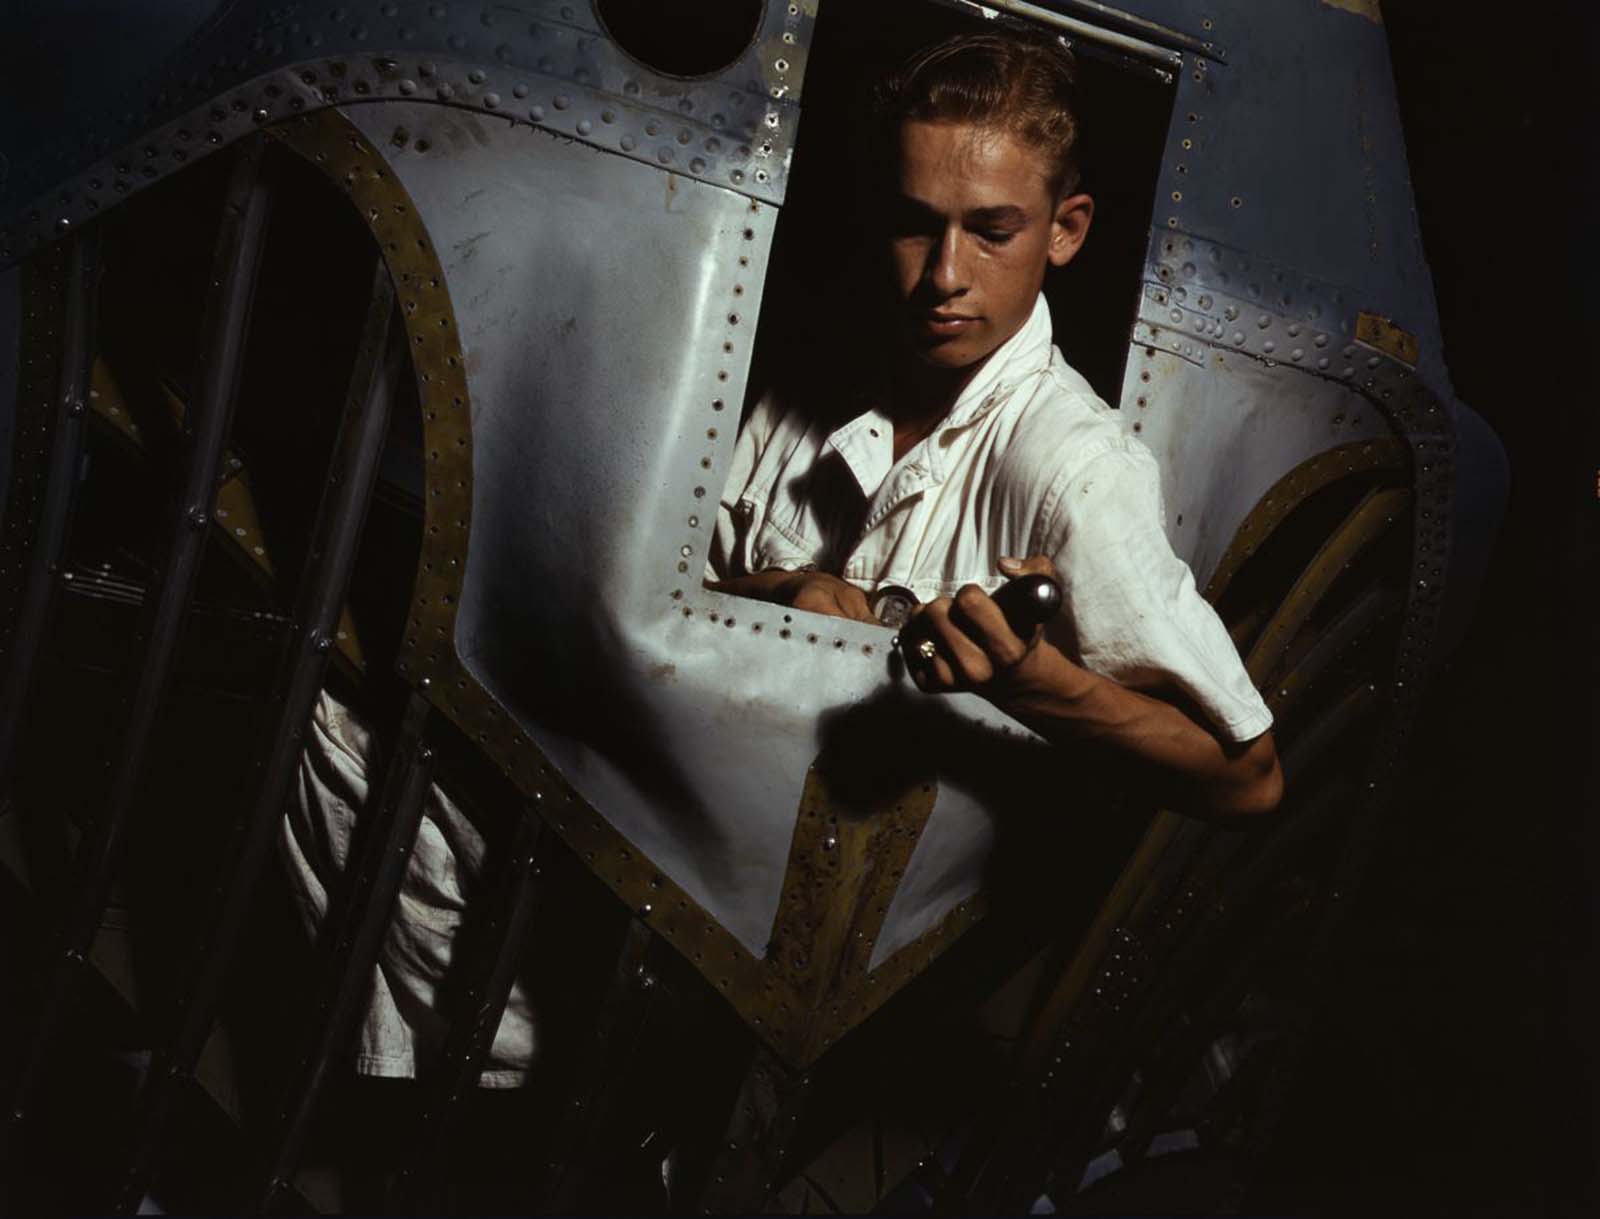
{"x": 973, "y": 225}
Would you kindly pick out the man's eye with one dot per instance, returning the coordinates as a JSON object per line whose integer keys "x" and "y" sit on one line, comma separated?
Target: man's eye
{"x": 907, "y": 222}
{"x": 996, "y": 236}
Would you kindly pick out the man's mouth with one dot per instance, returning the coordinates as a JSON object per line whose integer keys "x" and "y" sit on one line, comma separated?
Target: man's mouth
{"x": 946, "y": 324}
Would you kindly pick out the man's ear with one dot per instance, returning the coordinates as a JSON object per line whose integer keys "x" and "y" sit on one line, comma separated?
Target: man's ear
{"x": 1068, "y": 227}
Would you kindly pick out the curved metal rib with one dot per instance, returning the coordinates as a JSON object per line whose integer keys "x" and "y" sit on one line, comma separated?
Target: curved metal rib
{"x": 1377, "y": 510}
{"x": 1289, "y": 689}
{"x": 488, "y": 989}
{"x": 327, "y": 576}
{"x": 233, "y": 282}
{"x": 355, "y": 935}
{"x": 61, "y": 487}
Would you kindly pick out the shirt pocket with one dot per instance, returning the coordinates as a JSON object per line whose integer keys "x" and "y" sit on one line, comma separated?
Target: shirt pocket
{"x": 773, "y": 545}
{"x": 748, "y": 540}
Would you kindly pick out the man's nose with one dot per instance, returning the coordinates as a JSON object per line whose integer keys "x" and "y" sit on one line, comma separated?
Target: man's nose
{"x": 947, "y": 273}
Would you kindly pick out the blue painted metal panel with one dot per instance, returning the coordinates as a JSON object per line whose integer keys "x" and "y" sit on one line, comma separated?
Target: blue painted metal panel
{"x": 1296, "y": 153}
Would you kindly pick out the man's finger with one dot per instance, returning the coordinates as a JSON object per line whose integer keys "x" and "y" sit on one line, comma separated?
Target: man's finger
{"x": 981, "y": 620}
{"x": 855, "y": 605}
{"x": 1033, "y": 565}
{"x": 967, "y": 661}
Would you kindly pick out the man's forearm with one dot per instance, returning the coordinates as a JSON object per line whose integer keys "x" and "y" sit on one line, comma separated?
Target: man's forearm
{"x": 807, "y": 589}
{"x": 1185, "y": 767}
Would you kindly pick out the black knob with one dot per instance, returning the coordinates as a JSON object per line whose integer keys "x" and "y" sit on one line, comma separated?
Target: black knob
{"x": 1028, "y": 602}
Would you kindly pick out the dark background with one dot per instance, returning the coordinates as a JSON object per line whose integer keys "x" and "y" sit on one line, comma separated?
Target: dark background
{"x": 1452, "y": 1073}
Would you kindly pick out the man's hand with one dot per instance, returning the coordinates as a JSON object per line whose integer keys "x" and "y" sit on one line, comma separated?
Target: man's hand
{"x": 814, "y": 591}
{"x": 974, "y": 647}
{"x": 821, "y": 593}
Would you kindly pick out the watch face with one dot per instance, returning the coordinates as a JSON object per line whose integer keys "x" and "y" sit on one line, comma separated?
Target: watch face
{"x": 893, "y": 605}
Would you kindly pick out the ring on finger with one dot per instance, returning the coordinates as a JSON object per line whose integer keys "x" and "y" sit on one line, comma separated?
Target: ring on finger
{"x": 928, "y": 650}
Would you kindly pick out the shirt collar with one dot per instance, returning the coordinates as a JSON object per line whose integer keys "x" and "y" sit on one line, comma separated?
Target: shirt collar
{"x": 866, "y": 443}
{"x": 1024, "y": 353}
{"x": 866, "y": 446}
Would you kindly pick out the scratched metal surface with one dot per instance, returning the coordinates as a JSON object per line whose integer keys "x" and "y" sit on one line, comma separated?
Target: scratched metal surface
{"x": 601, "y": 330}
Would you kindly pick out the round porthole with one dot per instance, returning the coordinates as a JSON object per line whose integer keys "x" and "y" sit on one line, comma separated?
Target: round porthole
{"x": 682, "y": 37}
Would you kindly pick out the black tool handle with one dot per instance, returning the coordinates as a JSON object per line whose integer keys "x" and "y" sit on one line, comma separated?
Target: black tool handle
{"x": 1028, "y": 602}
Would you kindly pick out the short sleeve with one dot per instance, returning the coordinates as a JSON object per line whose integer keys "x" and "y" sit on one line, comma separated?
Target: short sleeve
{"x": 1132, "y": 603}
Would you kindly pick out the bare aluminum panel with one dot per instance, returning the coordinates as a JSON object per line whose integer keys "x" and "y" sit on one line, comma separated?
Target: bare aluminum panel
{"x": 605, "y": 310}
{"x": 1224, "y": 432}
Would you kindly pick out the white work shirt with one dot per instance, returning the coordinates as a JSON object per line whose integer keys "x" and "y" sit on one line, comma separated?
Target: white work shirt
{"x": 1028, "y": 461}
{"x": 444, "y": 871}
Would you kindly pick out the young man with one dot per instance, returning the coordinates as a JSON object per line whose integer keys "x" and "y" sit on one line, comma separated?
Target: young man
{"x": 981, "y": 456}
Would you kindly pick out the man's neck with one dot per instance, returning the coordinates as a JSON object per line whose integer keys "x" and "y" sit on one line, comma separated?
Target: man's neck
{"x": 921, "y": 396}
